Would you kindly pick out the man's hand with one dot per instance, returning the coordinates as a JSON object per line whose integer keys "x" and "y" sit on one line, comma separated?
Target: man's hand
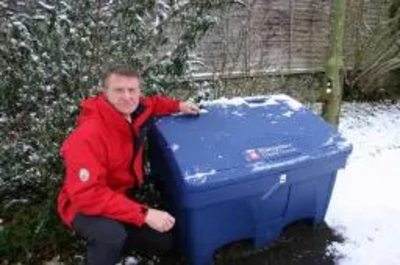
{"x": 159, "y": 220}
{"x": 189, "y": 108}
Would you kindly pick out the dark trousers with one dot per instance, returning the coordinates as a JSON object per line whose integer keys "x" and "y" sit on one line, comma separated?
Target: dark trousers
{"x": 108, "y": 239}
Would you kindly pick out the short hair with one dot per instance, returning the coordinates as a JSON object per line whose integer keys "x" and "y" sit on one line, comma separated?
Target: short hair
{"x": 120, "y": 70}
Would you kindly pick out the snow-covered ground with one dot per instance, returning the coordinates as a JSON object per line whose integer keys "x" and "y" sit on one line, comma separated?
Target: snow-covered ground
{"x": 365, "y": 205}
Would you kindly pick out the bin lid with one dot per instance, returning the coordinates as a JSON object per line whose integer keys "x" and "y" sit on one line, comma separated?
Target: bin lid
{"x": 259, "y": 133}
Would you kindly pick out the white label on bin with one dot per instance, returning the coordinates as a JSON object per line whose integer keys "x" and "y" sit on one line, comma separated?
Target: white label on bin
{"x": 252, "y": 155}
{"x": 277, "y": 150}
{"x": 282, "y": 179}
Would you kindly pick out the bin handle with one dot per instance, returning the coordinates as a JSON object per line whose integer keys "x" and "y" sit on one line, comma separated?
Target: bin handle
{"x": 282, "y": 179}
{"x": 257, "y": 100}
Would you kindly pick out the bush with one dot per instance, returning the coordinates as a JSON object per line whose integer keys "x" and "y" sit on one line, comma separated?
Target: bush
{"x": 49, "y": 52}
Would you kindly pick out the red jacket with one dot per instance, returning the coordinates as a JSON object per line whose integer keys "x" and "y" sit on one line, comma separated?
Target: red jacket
{"x": 103, "y": 158}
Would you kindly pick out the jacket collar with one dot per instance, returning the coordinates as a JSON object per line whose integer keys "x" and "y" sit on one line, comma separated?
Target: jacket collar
{"x": 98, "y": 108}
{"x": 113, "y": 119}
{"x": 139, "y": 110}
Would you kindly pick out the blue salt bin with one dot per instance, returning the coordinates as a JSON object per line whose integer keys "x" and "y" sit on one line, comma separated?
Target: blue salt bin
{"x": 244, "y": 169}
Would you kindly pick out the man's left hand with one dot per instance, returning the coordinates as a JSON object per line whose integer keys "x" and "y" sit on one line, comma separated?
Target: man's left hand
{"x": 189, "y": 108}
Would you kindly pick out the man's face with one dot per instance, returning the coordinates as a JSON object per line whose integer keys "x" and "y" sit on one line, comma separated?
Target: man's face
{"x": 123, "y": 92}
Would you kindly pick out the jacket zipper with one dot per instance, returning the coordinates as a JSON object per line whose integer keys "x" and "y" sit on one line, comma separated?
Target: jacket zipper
{"x": 131, "y": 164}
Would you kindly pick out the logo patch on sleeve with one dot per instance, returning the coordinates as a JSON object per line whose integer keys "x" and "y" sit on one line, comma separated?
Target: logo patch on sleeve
{"x": 84, "y": 174}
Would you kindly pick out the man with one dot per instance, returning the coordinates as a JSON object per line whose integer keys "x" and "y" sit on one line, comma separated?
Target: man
{"x": 103, "y": 160}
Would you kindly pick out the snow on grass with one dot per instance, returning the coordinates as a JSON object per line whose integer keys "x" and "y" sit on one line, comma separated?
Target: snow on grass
{"x": 365, "y": 203}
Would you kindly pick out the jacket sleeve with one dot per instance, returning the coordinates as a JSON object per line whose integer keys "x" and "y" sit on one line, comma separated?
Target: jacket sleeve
{"x": 87, "y": 188}
{"x": 163, "y": 106}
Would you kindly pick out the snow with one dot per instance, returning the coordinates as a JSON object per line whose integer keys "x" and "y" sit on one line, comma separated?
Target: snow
{"x": 256, "y": 101}
{"x": 175, "y": 147}
{"x": 225, "y": 102}
{"x": 237, "y": 113}
{"x": 200, "y": 176}
{"x": 179, "y": 4}
{"x": 130, "y": 260}
{"x": 46, "y": 6}
{"x": 26, "y": 148}
{"x": 20, "y": 25}
{"x": 3, "y": 119}
{"x": 15, "y": 202}
{"x": 294, "y": 104}
{"x": 35, "y": 58}
{"x": 288, "y": 114}
{"x": 364, "y": 205}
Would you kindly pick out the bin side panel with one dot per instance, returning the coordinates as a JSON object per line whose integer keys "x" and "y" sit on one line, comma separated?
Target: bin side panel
{"x": 309, "y": 199}
{"x": 204, "y": 230}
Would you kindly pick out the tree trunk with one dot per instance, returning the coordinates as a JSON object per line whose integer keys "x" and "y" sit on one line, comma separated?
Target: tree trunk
{"x": 333, "y": 83}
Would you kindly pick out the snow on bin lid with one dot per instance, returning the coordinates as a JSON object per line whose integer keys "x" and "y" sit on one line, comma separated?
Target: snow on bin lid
{"x": 259, "y": 133}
